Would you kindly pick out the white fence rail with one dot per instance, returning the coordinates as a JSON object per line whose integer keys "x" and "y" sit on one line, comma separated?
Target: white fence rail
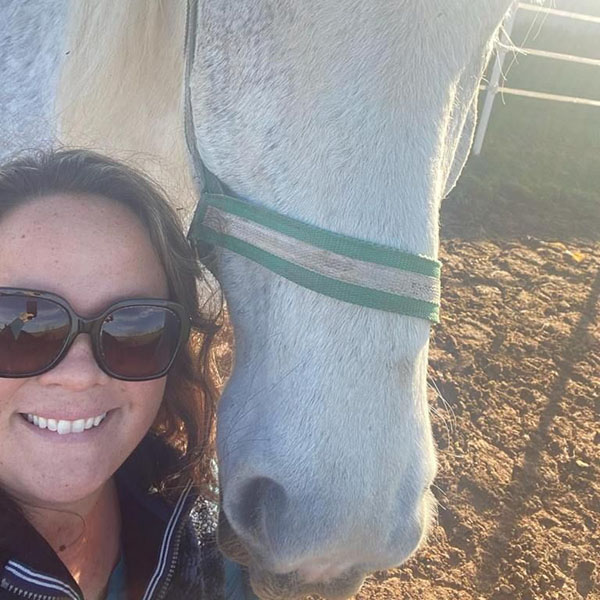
{"x": 493, "y": 86}
{"x": 559, "y": 13}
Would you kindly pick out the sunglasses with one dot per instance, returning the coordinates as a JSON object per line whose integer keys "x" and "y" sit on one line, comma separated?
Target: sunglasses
{"x": 132, "y": 340}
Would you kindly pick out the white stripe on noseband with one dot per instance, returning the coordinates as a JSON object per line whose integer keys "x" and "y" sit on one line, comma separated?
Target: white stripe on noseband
{"x": 324, "y": 262}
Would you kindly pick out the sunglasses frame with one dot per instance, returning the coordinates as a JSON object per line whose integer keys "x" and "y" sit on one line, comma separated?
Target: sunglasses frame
{"x": 93, "y": 325}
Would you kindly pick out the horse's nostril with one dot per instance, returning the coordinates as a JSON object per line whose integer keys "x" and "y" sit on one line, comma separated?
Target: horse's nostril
{"x": 253, "y": 502}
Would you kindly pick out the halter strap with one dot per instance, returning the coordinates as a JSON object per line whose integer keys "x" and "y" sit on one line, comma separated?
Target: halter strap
{"x": 342, "y": 267}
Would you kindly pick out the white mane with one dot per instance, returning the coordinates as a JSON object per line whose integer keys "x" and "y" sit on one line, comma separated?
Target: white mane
{"x": 121, "y": 87}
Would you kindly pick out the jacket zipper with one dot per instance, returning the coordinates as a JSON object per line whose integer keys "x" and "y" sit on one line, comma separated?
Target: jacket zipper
{"x": 180, "y": 514}
{"x": 13, "y": 589}
{"x": 176, "y": 543}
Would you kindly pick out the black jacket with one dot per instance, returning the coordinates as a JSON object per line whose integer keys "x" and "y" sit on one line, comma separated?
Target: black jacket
{"x": 170, "y": 550}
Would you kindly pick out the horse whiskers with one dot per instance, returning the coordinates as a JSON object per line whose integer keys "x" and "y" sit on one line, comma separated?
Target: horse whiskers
{"x": 449, "y": 423}
{"x": 248, "y": 407}
{"x": 258, "y": 368}
{"x": 235, "y": 447}
{"x": 514, "y": 48}
{"x": 449, "y": 426}
{"x": 443, "y": 493}
{"x": 432, "y": 384}
{"x": 274, "y": 384}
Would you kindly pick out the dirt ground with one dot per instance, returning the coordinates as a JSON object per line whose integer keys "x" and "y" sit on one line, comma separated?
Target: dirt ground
{"x": 515, "y": 393}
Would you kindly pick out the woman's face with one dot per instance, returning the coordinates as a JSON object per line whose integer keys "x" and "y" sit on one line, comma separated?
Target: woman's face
{"x": 92, "y": 252}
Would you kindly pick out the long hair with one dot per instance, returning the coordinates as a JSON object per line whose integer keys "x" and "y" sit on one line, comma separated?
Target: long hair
{"x": 186, "y": 419}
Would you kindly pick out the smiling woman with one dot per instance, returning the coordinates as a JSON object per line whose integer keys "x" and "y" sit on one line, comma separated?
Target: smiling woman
{"x": 106, "y": 397}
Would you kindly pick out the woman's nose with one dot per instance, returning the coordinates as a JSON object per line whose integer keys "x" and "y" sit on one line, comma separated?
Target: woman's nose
{"x": 78, "y": 369}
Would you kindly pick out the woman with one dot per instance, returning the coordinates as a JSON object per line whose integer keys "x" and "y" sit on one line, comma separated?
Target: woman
{"x": 105, "y": 472}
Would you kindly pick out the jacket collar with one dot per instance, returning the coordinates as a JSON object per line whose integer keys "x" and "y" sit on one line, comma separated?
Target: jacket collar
{"x": 32, "y": 569}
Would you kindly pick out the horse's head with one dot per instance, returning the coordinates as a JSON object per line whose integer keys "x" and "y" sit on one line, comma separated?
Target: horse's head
{"x": 350, "y": 118}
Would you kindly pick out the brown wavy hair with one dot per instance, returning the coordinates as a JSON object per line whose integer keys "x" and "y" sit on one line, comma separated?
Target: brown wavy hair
{"x": 186, "y": 419}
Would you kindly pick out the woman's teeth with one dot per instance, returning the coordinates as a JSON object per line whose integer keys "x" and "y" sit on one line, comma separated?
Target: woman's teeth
{"x": 62, "y": 426}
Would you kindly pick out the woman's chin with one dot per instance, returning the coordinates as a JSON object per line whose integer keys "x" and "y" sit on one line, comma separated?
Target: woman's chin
{"x": 65, "y": 493}
{"x": 62, "y": 469}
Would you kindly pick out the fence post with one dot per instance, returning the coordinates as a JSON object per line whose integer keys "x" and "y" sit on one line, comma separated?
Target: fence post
{"x": 492, "y": 86}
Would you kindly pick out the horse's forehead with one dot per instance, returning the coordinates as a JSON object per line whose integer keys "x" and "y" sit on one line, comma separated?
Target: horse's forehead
{"x": 275, "y": 84}
{"x": 273, "y": 33}
{"x": 287, "y": 57}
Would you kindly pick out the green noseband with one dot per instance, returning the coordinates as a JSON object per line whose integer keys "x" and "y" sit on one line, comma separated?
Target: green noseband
{"x": 345, "y": 268}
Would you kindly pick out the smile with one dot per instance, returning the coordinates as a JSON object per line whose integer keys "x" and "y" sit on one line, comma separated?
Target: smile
{"x": 63, "y": 426}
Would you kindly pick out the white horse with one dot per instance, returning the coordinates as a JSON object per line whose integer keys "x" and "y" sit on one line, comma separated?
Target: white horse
{"x": 355, "y": 117}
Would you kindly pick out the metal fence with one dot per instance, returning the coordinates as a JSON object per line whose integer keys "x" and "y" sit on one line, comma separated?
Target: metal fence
{"x": 494, "y": 86}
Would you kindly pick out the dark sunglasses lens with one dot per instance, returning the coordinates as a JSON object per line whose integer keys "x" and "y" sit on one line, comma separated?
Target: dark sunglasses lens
{"x": 139, "y": 341}
{"x": 33, "y": 332}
